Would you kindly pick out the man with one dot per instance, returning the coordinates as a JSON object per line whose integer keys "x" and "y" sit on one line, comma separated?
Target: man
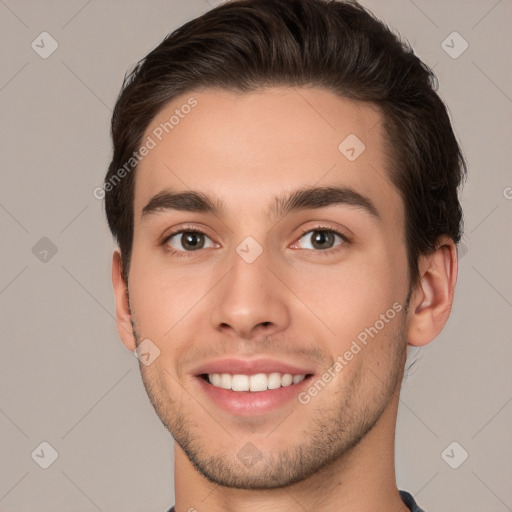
{"x": 283, "y": 190}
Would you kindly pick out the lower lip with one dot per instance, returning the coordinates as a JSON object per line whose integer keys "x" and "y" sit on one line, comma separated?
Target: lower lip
{"x": 251, "y": 403}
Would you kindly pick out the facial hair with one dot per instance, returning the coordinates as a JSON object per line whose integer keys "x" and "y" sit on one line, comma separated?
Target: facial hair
{"x": 331, "y": 433}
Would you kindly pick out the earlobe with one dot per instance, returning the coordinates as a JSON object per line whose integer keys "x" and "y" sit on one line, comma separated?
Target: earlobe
{"x": 123, "y": 314}
{"x": 433, "y": 298}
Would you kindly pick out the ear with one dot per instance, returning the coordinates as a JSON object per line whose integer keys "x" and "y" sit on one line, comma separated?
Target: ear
{"x": 432, "y": 300}
{"x": 123, "y": 315}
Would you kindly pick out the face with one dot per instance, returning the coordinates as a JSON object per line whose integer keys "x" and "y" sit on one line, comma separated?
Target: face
{"x": 269, "y": 268}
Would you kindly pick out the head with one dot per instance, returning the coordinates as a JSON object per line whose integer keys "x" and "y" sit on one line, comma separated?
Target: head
{"x": 320, "y": 105}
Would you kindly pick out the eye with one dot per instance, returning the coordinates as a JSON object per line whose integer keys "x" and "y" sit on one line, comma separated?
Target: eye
{"x": 322, "y": 239}
{"x": 187, "y": 240}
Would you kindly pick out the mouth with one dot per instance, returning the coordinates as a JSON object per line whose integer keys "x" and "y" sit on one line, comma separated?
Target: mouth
{"x": 254, "y": 386}
{"x": 253, "y": 395}
{"x": 255, "y": 383}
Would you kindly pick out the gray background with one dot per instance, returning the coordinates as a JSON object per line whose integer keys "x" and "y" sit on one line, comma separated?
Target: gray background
{"x": 65, "y": 377}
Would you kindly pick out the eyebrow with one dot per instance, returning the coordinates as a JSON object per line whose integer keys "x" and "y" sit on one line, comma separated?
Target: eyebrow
{"x": 301, "y": 199}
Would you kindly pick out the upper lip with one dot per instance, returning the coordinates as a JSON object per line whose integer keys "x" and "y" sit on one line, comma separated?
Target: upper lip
{"x": 250, "y": 367}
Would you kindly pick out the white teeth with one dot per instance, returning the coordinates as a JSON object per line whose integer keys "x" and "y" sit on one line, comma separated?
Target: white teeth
{"x": 257, "y": 382}
{"x": 274, "y": 381}
{"x": 298, "y": 378}
{"x": 240, "y": 383}
{"x": 216, "y": 380}
{"x": 286, "y": 379}
{"x": 225, "y": 381}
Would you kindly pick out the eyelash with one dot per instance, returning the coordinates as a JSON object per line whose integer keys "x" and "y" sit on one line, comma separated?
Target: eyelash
{"x": 185, "y": 229}
{"x": 326, "y": 252}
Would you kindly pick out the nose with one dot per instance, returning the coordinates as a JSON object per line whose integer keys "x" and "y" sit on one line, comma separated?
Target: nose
{"x": 251, "y": 301}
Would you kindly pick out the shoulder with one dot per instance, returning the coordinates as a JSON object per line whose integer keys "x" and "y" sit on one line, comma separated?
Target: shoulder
{"x": 406, "y": 498}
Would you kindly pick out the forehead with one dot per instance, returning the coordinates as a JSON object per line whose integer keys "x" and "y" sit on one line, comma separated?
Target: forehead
{"x": 246, "y": 148}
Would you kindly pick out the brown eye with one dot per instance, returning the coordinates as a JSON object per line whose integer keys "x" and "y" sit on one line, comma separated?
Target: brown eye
{"x": 321, "y": 239}
{"x": 188, "y": 241}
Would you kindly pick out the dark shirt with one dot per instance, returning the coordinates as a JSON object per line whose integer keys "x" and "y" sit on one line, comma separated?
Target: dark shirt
{"x": 406, "y": 498}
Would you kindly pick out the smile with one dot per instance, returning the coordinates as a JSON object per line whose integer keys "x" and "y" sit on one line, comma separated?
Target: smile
{"x": 255, "y": 383}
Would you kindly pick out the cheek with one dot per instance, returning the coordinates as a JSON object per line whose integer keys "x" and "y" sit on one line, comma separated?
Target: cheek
{"x": 349, "y": 297}
{"x": 158, "y": 302}
{"x": 163, "y": 297}
{"x": 363, "y": 313}
{"x": 358, "y": 306}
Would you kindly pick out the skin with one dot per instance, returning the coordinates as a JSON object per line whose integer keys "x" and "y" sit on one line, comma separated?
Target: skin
{"x": 295, "y": 302}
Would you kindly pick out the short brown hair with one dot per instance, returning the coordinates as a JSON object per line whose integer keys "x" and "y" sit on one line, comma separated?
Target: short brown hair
{"x": 244, "y": 45}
